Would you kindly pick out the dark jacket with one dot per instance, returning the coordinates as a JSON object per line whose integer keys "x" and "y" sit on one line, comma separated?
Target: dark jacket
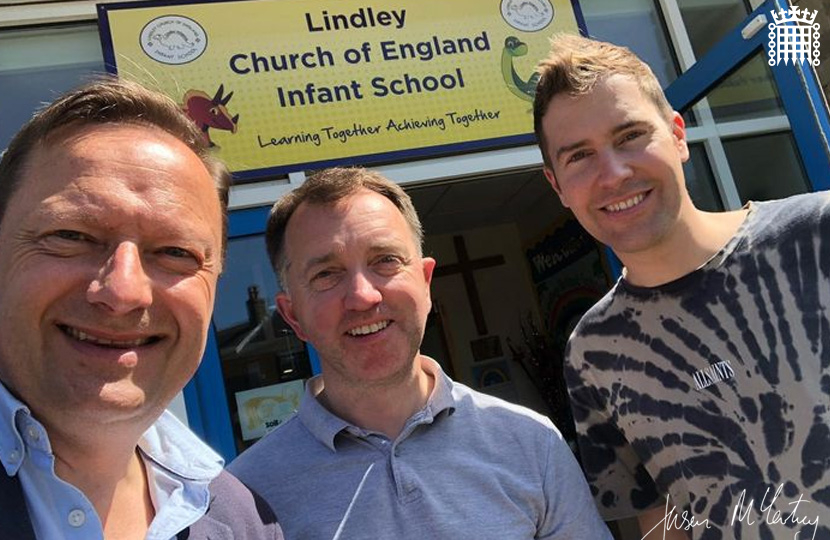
{"x": 235, "y": 512}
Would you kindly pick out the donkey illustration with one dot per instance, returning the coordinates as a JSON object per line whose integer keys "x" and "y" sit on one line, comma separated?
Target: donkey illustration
{"x": 210, "y": 112}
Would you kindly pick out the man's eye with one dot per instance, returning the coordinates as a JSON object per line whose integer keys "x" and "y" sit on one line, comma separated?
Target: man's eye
{"x": 324, "y": 280}
{"x": 388, "y": 263}
{"x": 178, "y": 253}
{"x": 74, "y": 236}
{"x": 577, "y": 156}
{"x": 178, "y": 260}
{"x": 631, "y": 135}
{"x": 323, "y": 274}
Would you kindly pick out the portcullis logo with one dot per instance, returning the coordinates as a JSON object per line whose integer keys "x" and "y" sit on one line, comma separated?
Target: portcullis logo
{"x": 793, "y": 37}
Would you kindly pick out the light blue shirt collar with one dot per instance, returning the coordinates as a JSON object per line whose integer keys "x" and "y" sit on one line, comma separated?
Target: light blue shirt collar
{"x": 12, "y": 414}
{"x": 179, "y": 469}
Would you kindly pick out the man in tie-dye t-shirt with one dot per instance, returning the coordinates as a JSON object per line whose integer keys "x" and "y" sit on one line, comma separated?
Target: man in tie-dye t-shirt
{"x": 700, "y": 384}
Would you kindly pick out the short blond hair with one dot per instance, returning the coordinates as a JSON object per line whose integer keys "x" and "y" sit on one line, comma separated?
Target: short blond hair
{"x": 575, "y": 65}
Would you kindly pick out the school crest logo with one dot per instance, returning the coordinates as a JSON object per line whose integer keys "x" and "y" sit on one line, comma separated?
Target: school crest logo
{"x": 173, "y": 39}
{"x": 527, "y": 15}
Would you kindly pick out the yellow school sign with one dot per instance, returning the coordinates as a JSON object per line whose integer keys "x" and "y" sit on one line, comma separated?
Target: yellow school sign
{"x": 282, "y": 85}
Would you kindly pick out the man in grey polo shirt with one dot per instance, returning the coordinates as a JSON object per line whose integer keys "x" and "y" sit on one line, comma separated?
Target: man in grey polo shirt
{"x": 385, "y": 445}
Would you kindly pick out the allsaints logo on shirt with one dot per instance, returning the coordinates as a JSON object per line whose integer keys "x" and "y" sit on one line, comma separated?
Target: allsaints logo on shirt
{"x": 717, "y": 372}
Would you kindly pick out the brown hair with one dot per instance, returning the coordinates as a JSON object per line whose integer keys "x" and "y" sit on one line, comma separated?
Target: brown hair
{"x": 109, "y": 101}
{"x": 326, "y": 188}
{"x": 575, "y": 64}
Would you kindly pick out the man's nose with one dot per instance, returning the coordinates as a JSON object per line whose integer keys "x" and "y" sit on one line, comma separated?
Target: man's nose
{"x": 362, "y": 293}
{"x": 613, "y": 167}
{"x": 122, "y": 284}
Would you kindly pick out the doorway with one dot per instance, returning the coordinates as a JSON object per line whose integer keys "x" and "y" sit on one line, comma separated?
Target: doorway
{"x": 514, "y": 274}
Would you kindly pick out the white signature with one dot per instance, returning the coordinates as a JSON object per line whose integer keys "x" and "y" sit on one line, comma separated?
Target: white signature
{"x": 770, "y": 515}
{"x": 681, "y": 522}
{"x": 741, "y": 514}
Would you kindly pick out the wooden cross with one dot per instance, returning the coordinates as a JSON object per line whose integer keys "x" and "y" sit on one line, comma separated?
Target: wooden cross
{"x": 466, "y": 267}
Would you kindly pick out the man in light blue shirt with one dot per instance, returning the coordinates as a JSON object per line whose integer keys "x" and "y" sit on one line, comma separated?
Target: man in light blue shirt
{"x": 112, "y": 234}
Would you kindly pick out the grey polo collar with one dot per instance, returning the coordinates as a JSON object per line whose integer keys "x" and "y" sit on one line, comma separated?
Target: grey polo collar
{"x": 325, "y": 426}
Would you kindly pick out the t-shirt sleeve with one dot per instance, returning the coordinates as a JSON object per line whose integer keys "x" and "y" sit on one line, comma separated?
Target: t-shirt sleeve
{"x": 619, "y": 482}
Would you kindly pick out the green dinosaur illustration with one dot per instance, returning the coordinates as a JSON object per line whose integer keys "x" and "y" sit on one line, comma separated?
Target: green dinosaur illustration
{"x": 514, "y": 48}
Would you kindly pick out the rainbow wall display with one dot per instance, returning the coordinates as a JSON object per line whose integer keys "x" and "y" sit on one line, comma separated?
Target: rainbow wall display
{"x": 285, "y": 85}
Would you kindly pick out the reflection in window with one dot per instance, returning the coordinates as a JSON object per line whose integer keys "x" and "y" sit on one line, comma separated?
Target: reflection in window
{"x": 700, "y": 181}
{"x": 766, "y": 166}
{"x": 37, "y": 65}
{"x": 709, "y": 22}
{"x": 264, "y": 364}
{"x": 748, "y": 93}
{"x": 638, "y": 25}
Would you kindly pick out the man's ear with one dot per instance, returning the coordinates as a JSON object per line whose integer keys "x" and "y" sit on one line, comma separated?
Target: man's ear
{"x": 428, "y": 264}
{"x": 286, "y": 308}
{"x": 429, "y": 267}
{"x": 678, "y": 128}
{"x": 555, "y": 185}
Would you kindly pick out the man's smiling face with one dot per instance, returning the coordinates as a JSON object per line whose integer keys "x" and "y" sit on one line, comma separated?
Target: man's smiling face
{"x": 617, "y": 164}
{"x": 357, "y": 288}
{"x": 111, "y": 250}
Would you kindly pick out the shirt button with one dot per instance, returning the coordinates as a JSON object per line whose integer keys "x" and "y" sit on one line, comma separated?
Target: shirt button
{"x": 76, "y": 517}
{"x": 14, "y": 457}
{"x": 33, "y": 433}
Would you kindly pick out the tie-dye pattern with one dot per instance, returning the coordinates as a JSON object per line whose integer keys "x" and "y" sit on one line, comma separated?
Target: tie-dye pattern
{"x": 716, "y": 383}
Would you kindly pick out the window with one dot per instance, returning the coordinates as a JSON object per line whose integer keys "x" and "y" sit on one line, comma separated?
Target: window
{"x": 38, "y": 64}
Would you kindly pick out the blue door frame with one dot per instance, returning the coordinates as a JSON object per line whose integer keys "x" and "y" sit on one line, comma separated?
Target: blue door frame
{"x": 801, "y": 94}
{"x": 798, "y": 87}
